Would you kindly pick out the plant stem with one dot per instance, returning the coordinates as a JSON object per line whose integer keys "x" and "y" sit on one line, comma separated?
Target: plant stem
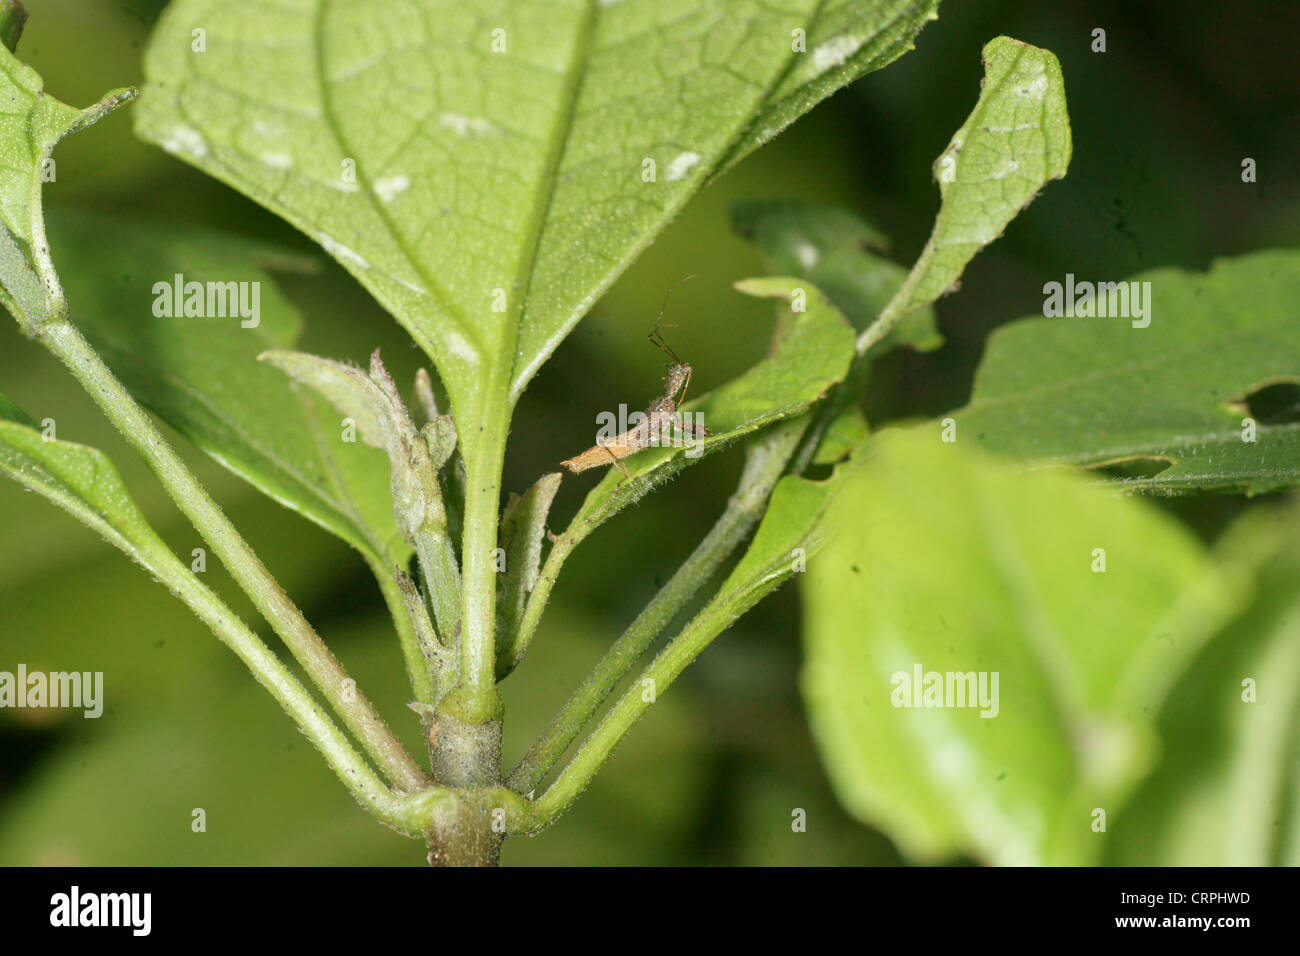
{"x": 899, "y": 304}
{"x": 765, "y": 461}
{"x": 417, "y": 666}
{"x": 475, "y": 699}
{"x": 406, "y": 812}
{"x": 67, "y": 343}
{"x": 464, "y": 732}
{"x": 627, "y": 710}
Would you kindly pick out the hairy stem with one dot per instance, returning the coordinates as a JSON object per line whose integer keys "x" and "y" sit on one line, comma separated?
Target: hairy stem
{"x": 407, "y": 812}
{"x": 627, "y": 710}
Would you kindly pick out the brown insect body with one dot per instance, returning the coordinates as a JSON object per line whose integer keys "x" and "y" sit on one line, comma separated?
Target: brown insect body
{"x": 661, "y": 418}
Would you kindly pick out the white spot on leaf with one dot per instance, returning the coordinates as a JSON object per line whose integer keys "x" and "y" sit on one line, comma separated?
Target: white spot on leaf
{"x": 1035, "y": 88}
{"x": 1005, "y": 169}
{"x": 835, "y": 52}
{"x": 185, "y": 139}
{"x": 680, "y": 165}
{"x": 340, "y": 251}
{"x": 277, "y": 160}
{"x": 467, "y": 125}
{"x": 411, "y": 285}
{"x": 390, "y": 187}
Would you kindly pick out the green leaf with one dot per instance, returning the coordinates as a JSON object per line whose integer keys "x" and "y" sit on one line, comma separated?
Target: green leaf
{"x": 498, "y": 151}
{"x": 845, "y": 432}
{"x": 11, "y": 412}
{"x": 80, "y": 480}
{"x": 840, "y": 254}
{"x": 944, "y": 562}
{"x": 789, "y": 534}
{"x": 1224, "y": 793}
{"x": 1094, "y": 391}
{"x": 201, "y": 374}
{"x": 812, "y": 357}
{"x": 346, "y": 387}
{"x": 844, "y": 40}
{"x": 383, "y": 421}
{"x": 31, "y": 125}
{"x": 1017, "y": 138}
{"x": 12, "y": 18}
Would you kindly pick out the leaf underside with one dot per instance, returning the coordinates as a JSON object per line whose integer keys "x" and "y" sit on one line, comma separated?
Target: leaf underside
{"x": 479, "y": 167}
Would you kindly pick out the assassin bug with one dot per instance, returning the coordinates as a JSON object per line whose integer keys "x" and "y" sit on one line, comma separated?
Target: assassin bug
{"x": 659, "y": 419}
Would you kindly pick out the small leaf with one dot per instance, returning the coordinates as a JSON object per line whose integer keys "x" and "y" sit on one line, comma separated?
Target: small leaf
{"x": 80, "y": 480}
{"x": 201, "y": 375}
{"x": 788, "y": 536}
{"x": 440, "y": 435}
{"x": 31, "y": 125}
{"x": 840, "y": 254}
{"x": 12, "y": 18}
{"x": 523, "y": 526}
{"x": 346, "y": 387}
{"x": 1015, "y": 141}
{"x": 846, "y": 431}
{"x": 11, "y": 412}
{"x": 383, "y": 419}
{"x": 1095, "y": 391}
{"x": 945, "y": 563}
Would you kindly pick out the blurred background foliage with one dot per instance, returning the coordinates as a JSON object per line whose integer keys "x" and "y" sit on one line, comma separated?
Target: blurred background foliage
{"x": 1161, "y": 123}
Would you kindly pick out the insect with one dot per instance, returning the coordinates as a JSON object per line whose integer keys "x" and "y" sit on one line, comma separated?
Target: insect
{"x": 660, "y": 420}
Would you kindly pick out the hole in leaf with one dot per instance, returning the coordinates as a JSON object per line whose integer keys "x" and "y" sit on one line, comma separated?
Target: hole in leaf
{"x": 1275, "y": 404}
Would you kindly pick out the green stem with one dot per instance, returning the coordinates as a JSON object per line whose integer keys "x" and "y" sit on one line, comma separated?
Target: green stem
{"x": 475, "y": 699}
{"x": 764, "y": 464}
{"x": 67, "y": 343}
{"x": 899, "y": 304}
{"x": 561, "y": 548}
{"x": 627, "y": 710}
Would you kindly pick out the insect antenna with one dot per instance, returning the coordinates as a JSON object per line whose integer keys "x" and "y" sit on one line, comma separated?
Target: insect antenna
{"x": 656, "y": 336}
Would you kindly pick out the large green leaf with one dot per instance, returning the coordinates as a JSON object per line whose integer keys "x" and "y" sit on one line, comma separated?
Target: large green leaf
{"x": 31, "y": 124}
{"x": 945, "y": 562}
{"x": 201, "y": 374}
{"x": 1224, "y": 793}
{"x": 499, "y": 148}
{"x": 1088, "y": 391}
